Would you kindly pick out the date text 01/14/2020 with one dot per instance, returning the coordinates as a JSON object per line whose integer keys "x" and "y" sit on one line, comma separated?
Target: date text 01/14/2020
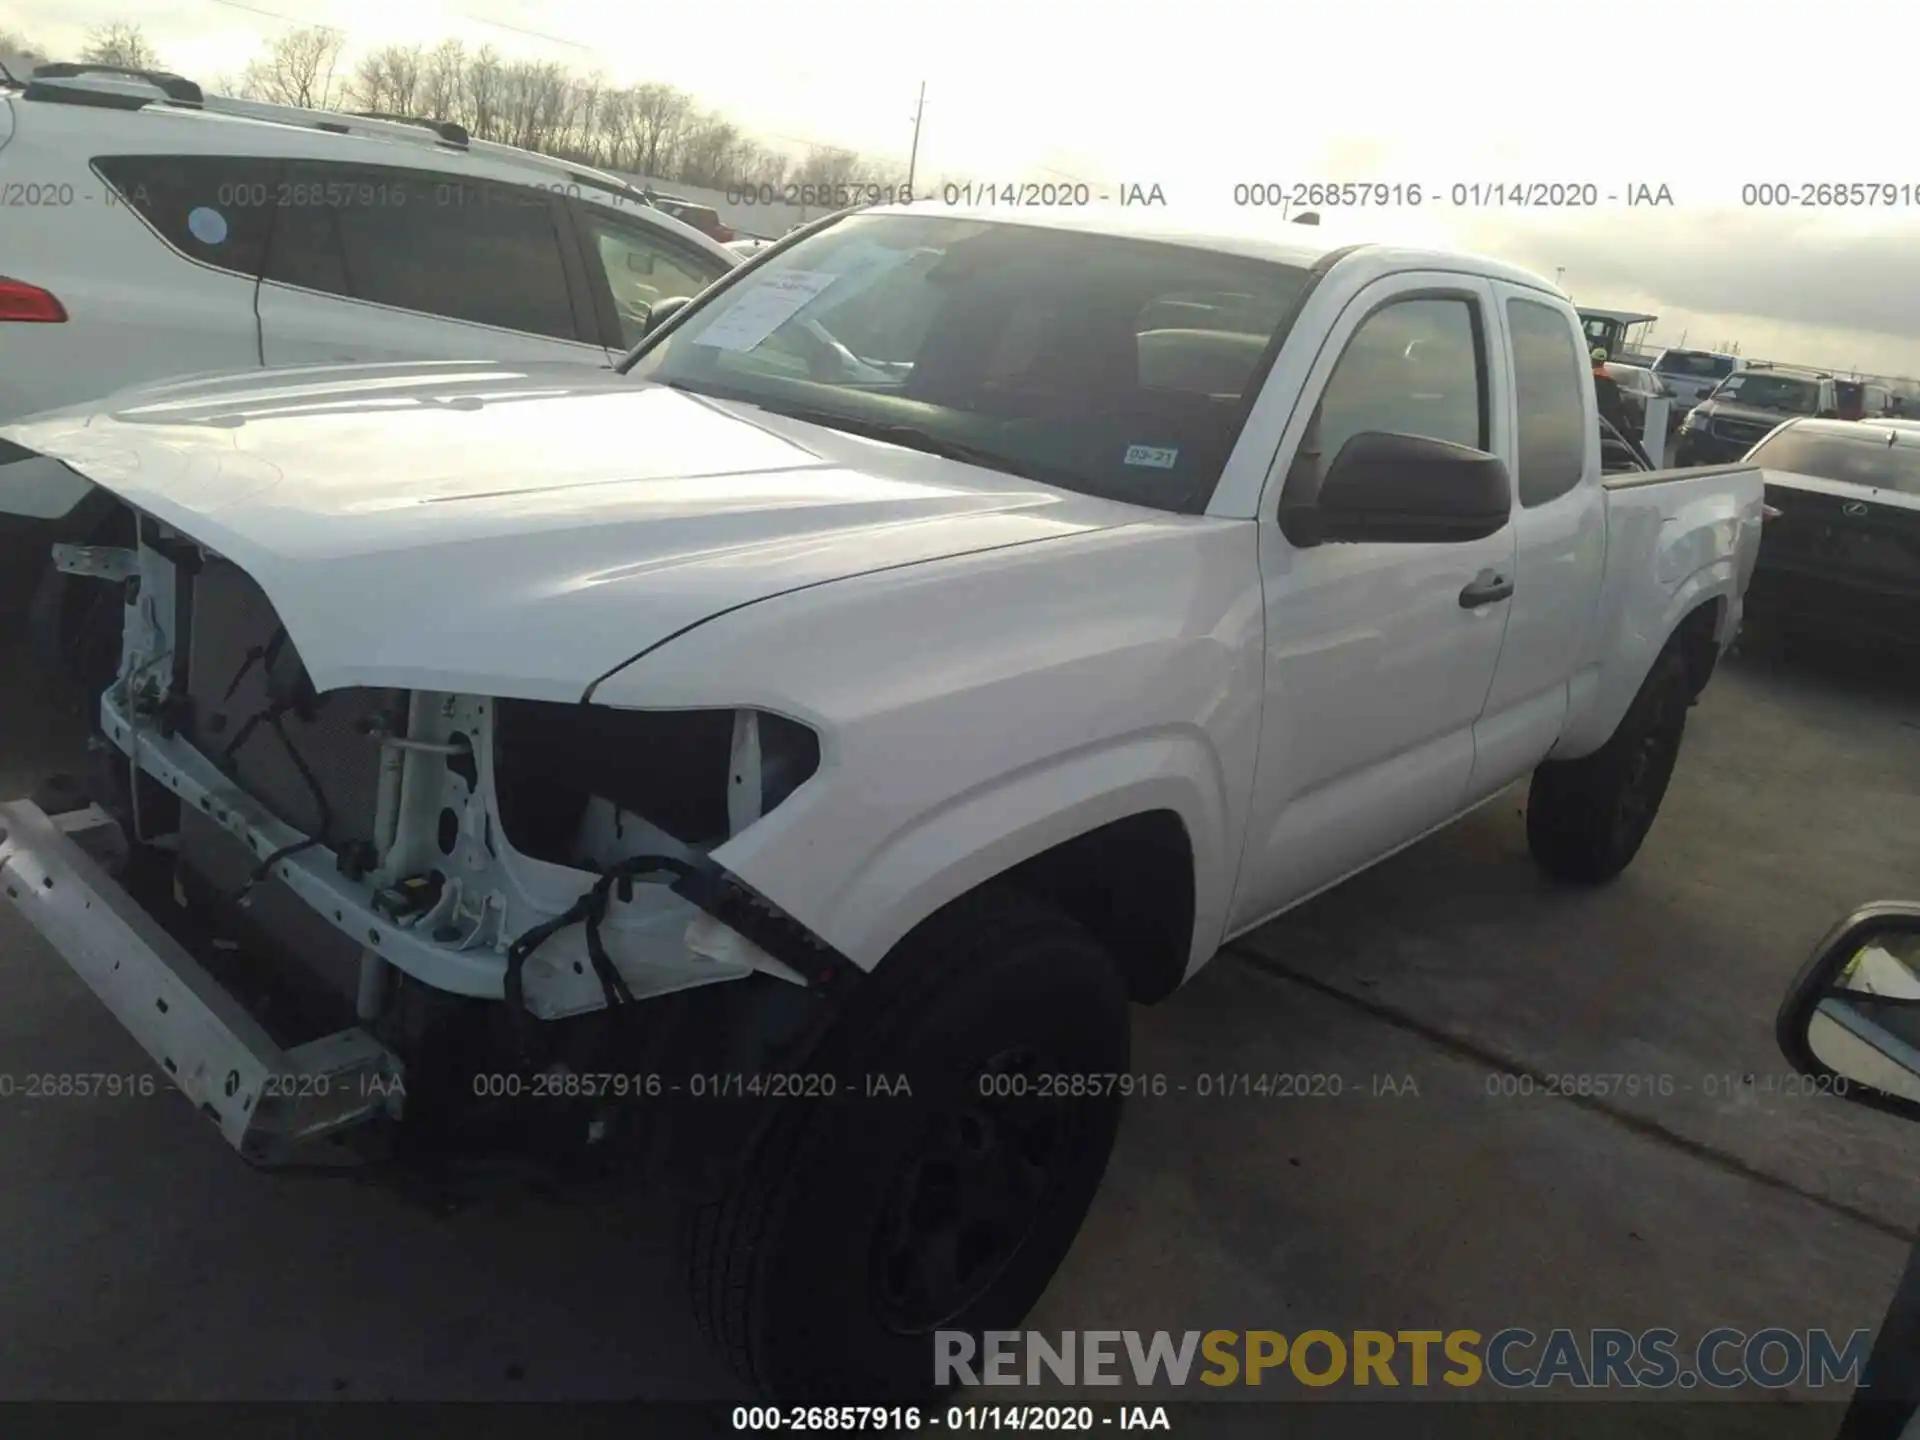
{"x": 1466, "y": 195}
{"x": 1510, "y": 1084}
{"x": 895, "y": 1418}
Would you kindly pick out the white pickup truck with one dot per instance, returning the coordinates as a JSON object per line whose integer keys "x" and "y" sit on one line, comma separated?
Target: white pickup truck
{"x": 783, "y": 758}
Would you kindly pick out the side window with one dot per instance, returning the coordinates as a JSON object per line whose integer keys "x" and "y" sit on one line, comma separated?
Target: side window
{"x": 440, "y": 244}
{"x": 211, "y": 208}
{"x": 642, "y": 267}
{"x": 1550, "y": 388}
{"x": 1413, "y": 367}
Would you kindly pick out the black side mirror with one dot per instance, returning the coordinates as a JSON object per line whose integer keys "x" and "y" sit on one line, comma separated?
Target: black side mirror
{"x": 662, "y": 310}
{"x": 1407, "y": 488}
{"x": 1851, "y": 1018}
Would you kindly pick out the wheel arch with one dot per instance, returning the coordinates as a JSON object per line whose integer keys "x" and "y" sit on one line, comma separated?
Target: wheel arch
{"x": 1695, "y": 618}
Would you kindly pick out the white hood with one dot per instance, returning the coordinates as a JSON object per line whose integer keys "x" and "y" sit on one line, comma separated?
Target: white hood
{"x": 523, "y": 529}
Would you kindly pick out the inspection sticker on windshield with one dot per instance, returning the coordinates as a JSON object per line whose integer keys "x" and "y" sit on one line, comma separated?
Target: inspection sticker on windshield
{"x": 764, "y": 308}
{"x": 1154, "y": 457}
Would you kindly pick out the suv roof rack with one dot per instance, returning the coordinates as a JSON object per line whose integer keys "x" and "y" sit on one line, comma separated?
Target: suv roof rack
{"x": 447, "y": 130}
{"x": 176, "y": 88}
{"x": 340, "y": 122}
{"x": 127, "y": 88}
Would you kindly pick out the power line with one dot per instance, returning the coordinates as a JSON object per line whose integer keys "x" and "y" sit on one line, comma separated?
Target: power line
{"x": 534, "y": 34}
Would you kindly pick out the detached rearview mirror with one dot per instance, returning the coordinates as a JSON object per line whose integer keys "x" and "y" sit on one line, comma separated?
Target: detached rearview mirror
{"x": 1384, "y": 486}
{"x": 1852, "y": 1016}
{"x": 638, "y": 263}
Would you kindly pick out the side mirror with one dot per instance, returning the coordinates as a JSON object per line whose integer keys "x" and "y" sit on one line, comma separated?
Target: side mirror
{"x": 1407, "y": 488}
{"x": 662, "y": 311}
{"x": 1851, "y": 1019}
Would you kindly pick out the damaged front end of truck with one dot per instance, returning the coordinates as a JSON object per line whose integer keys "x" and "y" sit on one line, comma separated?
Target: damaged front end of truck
{"x": 400, "y": 922}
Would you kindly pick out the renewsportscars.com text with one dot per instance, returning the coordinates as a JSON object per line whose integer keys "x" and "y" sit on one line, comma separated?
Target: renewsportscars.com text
{"x": 1512, "y": 1359}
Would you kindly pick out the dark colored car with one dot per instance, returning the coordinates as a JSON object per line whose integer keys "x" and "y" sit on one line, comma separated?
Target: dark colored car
{"x": 1863, "y": 399}
{"x": 1638, "y": 385}
{"x": 1841, "y": 557}
{"x": 1746, "y": 407}
{"x": 703, "y": 218}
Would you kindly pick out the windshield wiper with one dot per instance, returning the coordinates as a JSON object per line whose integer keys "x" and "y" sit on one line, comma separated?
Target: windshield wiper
{"x": 912, "y": 437}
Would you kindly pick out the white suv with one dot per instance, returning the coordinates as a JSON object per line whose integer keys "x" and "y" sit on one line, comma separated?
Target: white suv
{"x": 153, "y": 231}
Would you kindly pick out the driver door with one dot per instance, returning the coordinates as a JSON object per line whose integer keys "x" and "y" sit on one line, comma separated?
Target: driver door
{"x": 1377, "y": 666}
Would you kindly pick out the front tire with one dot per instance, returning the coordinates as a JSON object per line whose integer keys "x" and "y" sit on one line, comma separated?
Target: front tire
{"x": 1587, "y": 818}
{"x": 861, "y": 1226}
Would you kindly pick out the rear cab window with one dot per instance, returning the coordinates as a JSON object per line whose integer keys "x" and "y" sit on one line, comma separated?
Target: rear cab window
{"x": 1550, "y": 390}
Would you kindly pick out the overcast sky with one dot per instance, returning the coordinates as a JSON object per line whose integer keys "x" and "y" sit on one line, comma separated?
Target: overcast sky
{"x": 1198, "y": 95}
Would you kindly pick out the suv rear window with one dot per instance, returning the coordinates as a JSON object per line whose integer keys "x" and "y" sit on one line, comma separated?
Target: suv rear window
{"x": 211, "y": 208}
{"x": 445, "y": 245}
{"x": 1694, "y": 364}
{"x": 1865, "y": 459}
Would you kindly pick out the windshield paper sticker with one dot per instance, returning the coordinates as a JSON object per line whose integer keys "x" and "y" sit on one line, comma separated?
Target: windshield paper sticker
{"x": 764, "y": 308}
{"x": 1154, "y": 457}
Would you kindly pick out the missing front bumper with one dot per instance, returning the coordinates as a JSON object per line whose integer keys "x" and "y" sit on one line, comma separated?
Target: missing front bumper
{"x": 268, "y": 1102}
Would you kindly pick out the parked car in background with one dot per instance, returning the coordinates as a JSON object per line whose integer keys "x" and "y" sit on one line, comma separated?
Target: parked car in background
{"x": 1862, "y": 399}
{"x": 1842, "y": 557}
{"x": 1744, "y": 409}
{"x": 927, "y": 642}
{"x": 1691, "y": 375}
{"x": 1637, "y": 386}
{"x": 703, "y": 218}
{"x": 235, "y": 234}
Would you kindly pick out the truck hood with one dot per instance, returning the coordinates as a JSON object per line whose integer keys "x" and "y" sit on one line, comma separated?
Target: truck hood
{"x": 520, "y": 529}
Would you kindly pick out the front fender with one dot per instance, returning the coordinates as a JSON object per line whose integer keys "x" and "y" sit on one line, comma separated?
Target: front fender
{"x": 978, "y": 711}
{"x": 975, "y": 837}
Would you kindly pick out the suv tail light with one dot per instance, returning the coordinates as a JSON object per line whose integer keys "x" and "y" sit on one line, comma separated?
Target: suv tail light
{"x": 21, "y": 301}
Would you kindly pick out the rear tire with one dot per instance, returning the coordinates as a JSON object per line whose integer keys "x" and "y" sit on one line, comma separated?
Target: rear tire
{"x": 1587, "y": 818}
{"x": 859, "y": 1226}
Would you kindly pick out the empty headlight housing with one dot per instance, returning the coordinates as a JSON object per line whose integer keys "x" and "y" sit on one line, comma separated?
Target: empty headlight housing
{"x": 698, "y": 775}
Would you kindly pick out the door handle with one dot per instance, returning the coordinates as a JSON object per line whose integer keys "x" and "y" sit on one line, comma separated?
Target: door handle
{"x": 1484, "y": 589}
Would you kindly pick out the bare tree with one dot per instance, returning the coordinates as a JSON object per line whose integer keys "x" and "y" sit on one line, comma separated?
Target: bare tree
{"x": 650, "y": 129}
{"x": 443, "y": 82}
{"x": 710, "y": 150}
{"x": 390, "y": 79}
{"x": 120, "y": 43}
{"x": 657, "y": 121}
{"x": 19, "y": 54}
{"x": 298, "y": 69}
{"x": 482, "y": 89}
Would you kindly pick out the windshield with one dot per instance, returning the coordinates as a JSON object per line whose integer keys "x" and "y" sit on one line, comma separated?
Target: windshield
{"x": 1115, "y": 367}
{"x": 1864, "y": 459}
{"x": 1694, "y": 364}
{"x": 1788, "y": 393}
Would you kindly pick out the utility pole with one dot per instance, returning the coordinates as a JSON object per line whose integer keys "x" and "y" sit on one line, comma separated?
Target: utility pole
{"x": 913, "y": 156}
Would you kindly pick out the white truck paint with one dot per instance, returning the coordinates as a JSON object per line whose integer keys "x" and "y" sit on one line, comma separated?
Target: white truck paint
{"x": 994, "y": 667}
